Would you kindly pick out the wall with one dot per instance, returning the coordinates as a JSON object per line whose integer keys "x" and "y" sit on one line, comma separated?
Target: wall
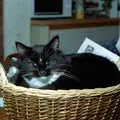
{"x": 1, "y": 30}
{"x": 16, "y": 24}
{"x": 17, "y": 28}
{"x": 71, "y": 39}
{"x": 39, "y": 34}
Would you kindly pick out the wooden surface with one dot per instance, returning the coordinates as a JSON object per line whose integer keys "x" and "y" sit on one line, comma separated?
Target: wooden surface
{"x": 1, "y": 31}
{"x": 2, "y": 114}
{"x": 72, "y": 23}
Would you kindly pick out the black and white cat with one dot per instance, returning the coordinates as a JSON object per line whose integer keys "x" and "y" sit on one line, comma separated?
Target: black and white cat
{"x": 47, "y": 67}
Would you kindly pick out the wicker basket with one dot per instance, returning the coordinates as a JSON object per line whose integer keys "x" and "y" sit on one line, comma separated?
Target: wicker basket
{"x": 33, "y": 104}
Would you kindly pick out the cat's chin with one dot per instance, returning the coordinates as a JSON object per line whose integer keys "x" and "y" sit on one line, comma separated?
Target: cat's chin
{"x": 41, "y": 82}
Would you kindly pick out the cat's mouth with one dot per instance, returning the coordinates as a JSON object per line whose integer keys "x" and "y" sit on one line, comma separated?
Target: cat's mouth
{"x": 36, "y": 73}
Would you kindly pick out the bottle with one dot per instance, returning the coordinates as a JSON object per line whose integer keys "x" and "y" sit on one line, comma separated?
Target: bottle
{"x": 79, "y": 11}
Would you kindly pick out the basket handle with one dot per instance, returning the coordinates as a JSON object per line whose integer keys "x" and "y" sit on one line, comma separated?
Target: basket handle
{"x": 3, "y": 77}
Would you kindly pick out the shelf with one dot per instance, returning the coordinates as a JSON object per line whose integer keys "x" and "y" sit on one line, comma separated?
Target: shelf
{"x": 73, "y": 23}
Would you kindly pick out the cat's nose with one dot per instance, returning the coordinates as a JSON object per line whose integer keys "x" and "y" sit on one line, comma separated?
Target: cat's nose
{"x": 43, "y": 73}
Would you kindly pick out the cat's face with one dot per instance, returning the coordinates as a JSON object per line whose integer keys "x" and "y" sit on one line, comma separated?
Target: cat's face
{"x": 41, "y": 54}
{"x": 37, "y": 63}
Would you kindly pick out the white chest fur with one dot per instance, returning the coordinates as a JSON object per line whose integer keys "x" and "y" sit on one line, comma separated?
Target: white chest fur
{"x": 38, "y": 82}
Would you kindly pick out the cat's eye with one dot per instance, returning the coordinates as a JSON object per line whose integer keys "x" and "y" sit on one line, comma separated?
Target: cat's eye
{"x": 35, "y": 65}
{"x": 46, "y": 63}
{"x": 40, "y": 59}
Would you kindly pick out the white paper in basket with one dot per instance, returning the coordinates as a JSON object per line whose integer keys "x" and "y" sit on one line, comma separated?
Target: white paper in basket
{"x": 118, "y": 44}
{"x": 92, "y": 47}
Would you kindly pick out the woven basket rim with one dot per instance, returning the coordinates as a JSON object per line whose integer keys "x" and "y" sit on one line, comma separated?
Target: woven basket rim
{"x": 17, "y": 90}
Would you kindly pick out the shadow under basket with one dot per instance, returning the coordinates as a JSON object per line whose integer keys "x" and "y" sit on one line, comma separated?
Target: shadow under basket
{"x": 19, "y": 103}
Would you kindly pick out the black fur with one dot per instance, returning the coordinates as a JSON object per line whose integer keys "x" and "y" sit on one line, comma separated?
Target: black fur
{"x": 81, "y": 71}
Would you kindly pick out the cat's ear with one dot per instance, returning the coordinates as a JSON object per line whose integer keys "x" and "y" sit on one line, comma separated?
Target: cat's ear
{"x": 54, "y": 43}
{"x": 22, "y": 48}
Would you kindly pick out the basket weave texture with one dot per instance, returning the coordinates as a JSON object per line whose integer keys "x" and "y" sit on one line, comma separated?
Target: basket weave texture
{"x": 33, "y": 104}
